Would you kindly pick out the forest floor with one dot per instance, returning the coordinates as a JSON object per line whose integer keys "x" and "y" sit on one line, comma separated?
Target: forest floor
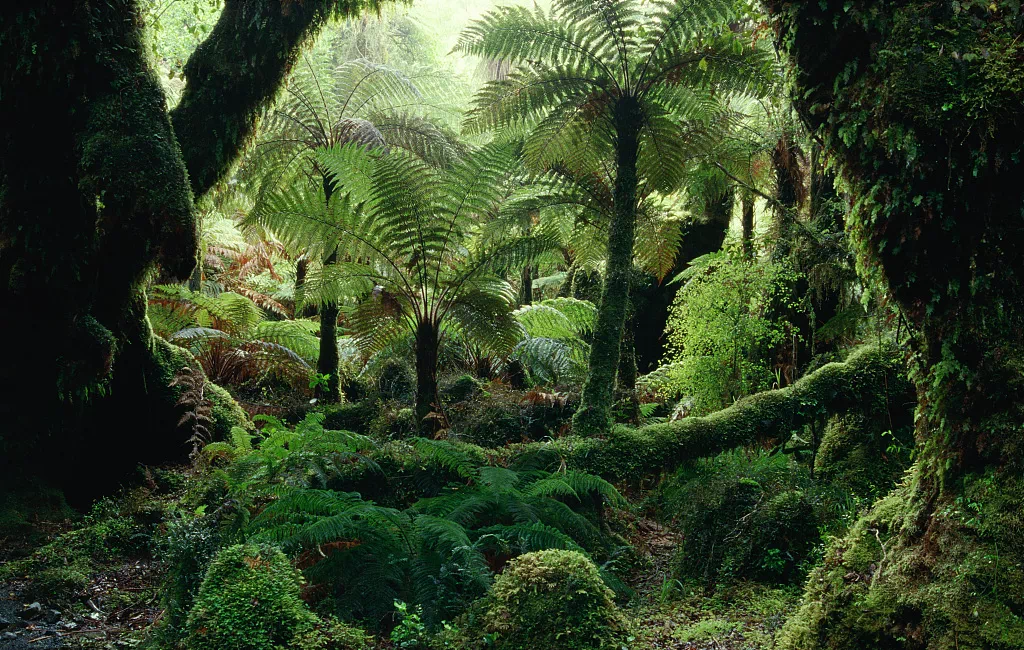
{"x": 120, "y": 602}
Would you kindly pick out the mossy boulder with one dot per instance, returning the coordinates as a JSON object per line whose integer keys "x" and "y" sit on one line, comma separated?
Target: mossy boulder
{"x": 555, "y": 600}
{"x": 249, "y": 600}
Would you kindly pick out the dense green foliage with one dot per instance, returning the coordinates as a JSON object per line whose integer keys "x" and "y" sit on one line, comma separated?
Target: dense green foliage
{"x": 555, "y": 599}
{"x": 599, "y": 324}
{"x": 613, "y": 85}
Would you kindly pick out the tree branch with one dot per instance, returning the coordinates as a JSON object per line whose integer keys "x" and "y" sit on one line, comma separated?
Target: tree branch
{"x": 235, "y": 74}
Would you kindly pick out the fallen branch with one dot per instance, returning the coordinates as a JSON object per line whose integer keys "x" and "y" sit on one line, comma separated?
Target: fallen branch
{"x": 869, "y": 380}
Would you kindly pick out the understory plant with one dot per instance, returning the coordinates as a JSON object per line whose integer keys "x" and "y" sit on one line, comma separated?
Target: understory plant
{"x": 411, "y": 253}
{"x": 287, "y": 487}
{"x": 720, "y": 332}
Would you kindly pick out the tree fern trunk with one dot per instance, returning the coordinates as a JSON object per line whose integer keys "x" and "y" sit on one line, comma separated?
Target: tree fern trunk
{"x": 427, "y": 340}
{"x": 328, "y": 362}
{"x": 748, "y": 224}
{"x": 625, "y": 381}
{"x": 526, "y": 288}
{"x": 594, "y": 414}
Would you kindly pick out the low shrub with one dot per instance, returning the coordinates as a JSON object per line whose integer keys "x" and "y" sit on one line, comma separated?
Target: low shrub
{"x": 500, "y": 416}
{"x": 331, "y": 634}
{"x": 461, "y": 389}
{"x": 186, "y": 550}
{"x": 555, "y": 600}
{"x": 396, "y": 381}
{"x": 249, "y": 600}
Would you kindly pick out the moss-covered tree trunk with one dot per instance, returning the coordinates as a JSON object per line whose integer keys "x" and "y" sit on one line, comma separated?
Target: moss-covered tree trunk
{"x": 97, "y": 191}
{"x": 921, "y": 104}
{"x": 594, "y": 414}
{"x": 625, "y": 379}
{"x": 427, "y": 345}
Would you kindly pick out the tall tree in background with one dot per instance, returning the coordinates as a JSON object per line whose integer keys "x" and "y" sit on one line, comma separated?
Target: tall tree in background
{"x": 921, "y": 103}
{"x": 98, "y": 184}
{"x": 599, "y": 82}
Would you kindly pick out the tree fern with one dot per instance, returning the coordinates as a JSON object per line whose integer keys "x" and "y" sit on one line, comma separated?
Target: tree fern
{"x": 608, "y": 82}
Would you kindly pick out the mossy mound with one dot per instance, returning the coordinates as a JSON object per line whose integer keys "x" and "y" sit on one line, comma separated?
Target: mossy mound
{"x": 554, "y": 600}
{"x": 249, "y": 600}
{"x": 745, "y": 516}
{"x": 460, "y": 389}
{"x": 902, "y": 579}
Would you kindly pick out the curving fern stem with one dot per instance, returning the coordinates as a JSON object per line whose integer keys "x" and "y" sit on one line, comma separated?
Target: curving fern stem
{"x": 614, "y": 83}
{"x": 196, "y": 417}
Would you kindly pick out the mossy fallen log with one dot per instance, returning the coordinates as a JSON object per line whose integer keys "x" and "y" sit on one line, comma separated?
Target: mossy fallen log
{"x": 872, "y": 380}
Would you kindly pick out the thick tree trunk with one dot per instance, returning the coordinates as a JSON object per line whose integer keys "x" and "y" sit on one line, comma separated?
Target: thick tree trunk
{"x": 594, "y": 414}
{"x": 938, "y": 562}
{"x": 427, "y": 341}
{"x": 95, "y": 194}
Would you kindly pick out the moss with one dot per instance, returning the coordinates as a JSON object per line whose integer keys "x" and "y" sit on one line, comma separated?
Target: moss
{"x": 962, "y": 588}
{"x": 552, "y": 599}
{"x": 225, "y": 411}
{"x": 59, "y": 583}
{"x": 863, "y": 454}
{"x": 249, "y": 600}
{"x": 169, "y": 359}
{"x": 869, "y": 380}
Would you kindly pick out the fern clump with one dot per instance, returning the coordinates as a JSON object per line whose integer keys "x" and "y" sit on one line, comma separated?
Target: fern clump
{"x": 249, "y": 600}
{"x": 555, "y": 600}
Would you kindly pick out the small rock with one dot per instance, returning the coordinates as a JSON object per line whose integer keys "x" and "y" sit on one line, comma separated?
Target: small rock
{"x": 52, "y": 616}
{"x": 31, "y": 612}
{"x": 8, "y": 636}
